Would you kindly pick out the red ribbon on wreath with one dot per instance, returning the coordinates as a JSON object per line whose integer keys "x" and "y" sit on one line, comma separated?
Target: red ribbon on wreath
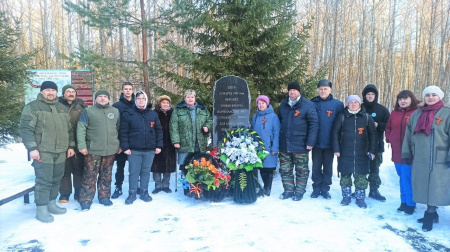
{"x": 195, "y": 189}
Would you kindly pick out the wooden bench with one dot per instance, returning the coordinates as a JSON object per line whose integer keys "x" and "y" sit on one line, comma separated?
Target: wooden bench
{"x": 16, "y": 189}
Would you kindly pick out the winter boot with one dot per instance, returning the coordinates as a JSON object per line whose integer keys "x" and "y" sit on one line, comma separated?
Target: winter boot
{"x": 402, "y": 207}
{"x": 297, "y": 196}
{"x": 145, "y": 196}
{"x": 76, "y": 195}
{"x": 131, "y": 197}
{"x": 360, "y": 198}
{"x": 375, "y": 194}
{"x": 117, "y": 192}
{"x": 435, "y": 218}
{"x": 346, "y": 198}
{"x": 85, "y": 207}
{"x": 286, "y": 195}
{"x": 55, "y": 209}
{"x": 409, "y": 209}
{"x": 105, "y": 202}
{"x": 166, "y": 190}
{"x": 315, "y": 194}
{"x": 156, "y": 190}
{"x": 43, "y": 215}
{"x": 326, "y": 195}
{"x": 428, "y": 219}
{"x": 138, "y": 191}
{"x": 64, "y": 198}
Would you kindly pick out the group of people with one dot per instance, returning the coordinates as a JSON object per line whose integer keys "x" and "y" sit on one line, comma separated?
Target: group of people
{"x": 64, "y": 137}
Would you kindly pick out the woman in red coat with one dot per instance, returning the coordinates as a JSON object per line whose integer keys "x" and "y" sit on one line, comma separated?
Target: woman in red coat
{"x": 405, "y": 105}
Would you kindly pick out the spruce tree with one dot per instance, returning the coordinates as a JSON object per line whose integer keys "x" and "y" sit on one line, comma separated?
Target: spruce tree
{"x": 258, "y": 40}
{"x": 13, "y": 77}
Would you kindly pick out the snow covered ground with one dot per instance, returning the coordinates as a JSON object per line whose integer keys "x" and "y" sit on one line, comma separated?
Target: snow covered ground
{"x": 173, "y": 222}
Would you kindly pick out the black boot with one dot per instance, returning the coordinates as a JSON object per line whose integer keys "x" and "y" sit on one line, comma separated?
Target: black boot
{"x": 427, "y": 220}
{"x": 145, "y": 196}
{"x": 409, "y": 210}
{"x": 375, "y": 194}
{"x": 435, "y": 218}
{"x": 117, "y": 192}
{"x": 76, "y": 195}
{"x": 131, "y": 197}
{"x": 268, "y": 183}
{"x": 402, "y": 207}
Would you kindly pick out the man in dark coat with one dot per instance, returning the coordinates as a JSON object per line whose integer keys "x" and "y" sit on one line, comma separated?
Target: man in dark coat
{"x": 298, "y": 133}
{"x": 74, "y": 165}
{"x": 380, "y": 115}
{"x": 328, "y": 109}
{"x": 126, "y": 101}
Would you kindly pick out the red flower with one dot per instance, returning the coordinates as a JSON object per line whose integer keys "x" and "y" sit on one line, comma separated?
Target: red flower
{"x": 217, "y": 182}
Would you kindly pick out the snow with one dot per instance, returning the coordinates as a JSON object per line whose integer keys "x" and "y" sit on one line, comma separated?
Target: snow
{"x": 174, "y": 222}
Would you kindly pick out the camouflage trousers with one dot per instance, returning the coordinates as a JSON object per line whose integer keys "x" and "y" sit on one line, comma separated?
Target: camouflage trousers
{"x": 287, "y": 163}
{"x": 361, "y": 181}
{"x": 49, "y": 171}
{"x": 374, "y": 173}
{"x": 100, "y": 166}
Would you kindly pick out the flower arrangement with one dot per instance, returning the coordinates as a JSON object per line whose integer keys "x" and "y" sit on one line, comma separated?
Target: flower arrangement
{"x": 204, "y": 172}
{"x": 243, "y": 148}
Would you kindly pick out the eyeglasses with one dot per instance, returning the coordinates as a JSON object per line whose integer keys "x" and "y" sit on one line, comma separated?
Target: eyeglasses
{"x": 140, "y": 99}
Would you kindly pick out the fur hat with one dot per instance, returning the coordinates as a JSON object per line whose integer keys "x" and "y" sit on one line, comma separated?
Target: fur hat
{"x": 294, "y": 85}
{"x": 67, "y": 87}
{"x": 353, "y": 98}
{"x": 431, "y": 90}
{"x": 264, "y": 98}
{"x": 49, "y": 84}
{"x": 102, "y": 92}
{"x": 162, "y": 98}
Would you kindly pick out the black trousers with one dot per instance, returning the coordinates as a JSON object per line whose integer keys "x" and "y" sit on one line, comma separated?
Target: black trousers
{"x": 322, "y": 169}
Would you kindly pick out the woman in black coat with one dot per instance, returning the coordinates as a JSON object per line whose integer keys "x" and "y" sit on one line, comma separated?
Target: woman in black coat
{"x": 165, "y": 162}
{"x": 354, "y": 143}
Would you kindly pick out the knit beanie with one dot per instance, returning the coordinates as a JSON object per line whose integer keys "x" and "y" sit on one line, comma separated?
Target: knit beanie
{"x": 49, "y": 84}
{"x": 102, "y": 92}
{"x": 324, "y": 83}
{"x": 68, "y": 86}
{"x": 431, "y": 90}
{"x": 353, "y": 98}
{"x": 294, "y": 85}
{"x": 264, "y": 98}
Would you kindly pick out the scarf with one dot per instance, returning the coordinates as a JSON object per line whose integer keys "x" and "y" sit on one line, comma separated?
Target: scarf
{"x": 426, "y": 119}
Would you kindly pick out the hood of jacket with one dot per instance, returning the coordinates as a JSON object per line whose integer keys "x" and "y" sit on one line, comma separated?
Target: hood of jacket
{"x": 127, "y": 102}
{"x": 367, "y": 89}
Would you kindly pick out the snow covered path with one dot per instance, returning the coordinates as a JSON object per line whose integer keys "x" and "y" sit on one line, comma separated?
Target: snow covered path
{"x": 173, "y": 222}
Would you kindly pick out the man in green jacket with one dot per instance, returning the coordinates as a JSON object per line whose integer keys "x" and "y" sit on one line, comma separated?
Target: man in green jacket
{"x": 97, "y": 136}
{"x": 47, "y": 134}
{"x": 74, "y": 165}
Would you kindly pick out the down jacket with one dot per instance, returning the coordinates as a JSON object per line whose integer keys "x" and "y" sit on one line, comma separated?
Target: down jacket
{"x": 140, "y": 130}
{"x": 395, "y": 131}
{"x": 267, "y": 125}
{"x": 430, "y": 174}
{"x": 299, "y": 125}
{"x": 354, "y": 136}
{"x": 181, "y": 127}
{"x": 327, "y": 111}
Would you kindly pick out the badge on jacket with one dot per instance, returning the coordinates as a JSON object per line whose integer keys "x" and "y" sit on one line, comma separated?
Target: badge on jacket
{"x": 110, "y": 115}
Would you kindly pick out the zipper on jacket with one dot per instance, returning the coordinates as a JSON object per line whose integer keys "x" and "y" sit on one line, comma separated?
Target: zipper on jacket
{"x": 354, "y": 147}
{"x": 401, "y": 127}
{"x": 431, "y": 150}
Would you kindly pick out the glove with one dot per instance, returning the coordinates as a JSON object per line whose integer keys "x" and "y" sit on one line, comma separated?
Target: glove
{"x": 407, "y": 161}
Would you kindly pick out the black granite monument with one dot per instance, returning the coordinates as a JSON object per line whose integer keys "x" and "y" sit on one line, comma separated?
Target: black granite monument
{"x": 231, "y": 106}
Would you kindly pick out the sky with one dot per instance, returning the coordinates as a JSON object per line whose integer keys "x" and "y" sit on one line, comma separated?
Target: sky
{"x": 174, "y": 222}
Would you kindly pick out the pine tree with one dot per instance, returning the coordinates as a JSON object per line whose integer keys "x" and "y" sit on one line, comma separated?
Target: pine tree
{"x": 13, "y": 76}
{"x": 258, "y": 40}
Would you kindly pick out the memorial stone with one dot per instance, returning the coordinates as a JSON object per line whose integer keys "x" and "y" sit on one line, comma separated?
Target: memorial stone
{"x": 231, "y": 106}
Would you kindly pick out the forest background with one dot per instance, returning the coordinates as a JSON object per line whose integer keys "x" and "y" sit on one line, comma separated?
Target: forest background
{"x": 167, "y": 46}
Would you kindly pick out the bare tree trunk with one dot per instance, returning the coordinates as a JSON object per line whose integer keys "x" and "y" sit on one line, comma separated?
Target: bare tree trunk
{"x": 144, "y": 52}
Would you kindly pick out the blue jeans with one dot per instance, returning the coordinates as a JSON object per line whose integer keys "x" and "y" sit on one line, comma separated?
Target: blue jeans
{"x": 139, "y": 164}
{"x": 406, "y": 194}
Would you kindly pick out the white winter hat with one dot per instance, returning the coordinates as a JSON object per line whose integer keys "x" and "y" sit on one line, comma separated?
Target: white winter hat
{"x": 353, "y": 98}
{"x": 431, "y": 90}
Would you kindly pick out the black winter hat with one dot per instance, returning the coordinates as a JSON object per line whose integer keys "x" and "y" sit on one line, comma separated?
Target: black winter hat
{"x": 49, "y": 84}
{"x": 294, "y": 85}
{"x": 324, "y": 83}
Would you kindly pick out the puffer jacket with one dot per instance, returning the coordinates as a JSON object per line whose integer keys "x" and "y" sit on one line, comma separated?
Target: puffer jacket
{"x": 267, "y": 125}
{"x": 299, "y": 125}
{"x": 45, "y": 126}
{"x": 124, "y": 104}
{"x": 354, "y": 136}
{"x": 182, "y": 128}
{"x": 395, "y": 131}
{"x": 140, "y": 130}
{"x": 327, "y": 111}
